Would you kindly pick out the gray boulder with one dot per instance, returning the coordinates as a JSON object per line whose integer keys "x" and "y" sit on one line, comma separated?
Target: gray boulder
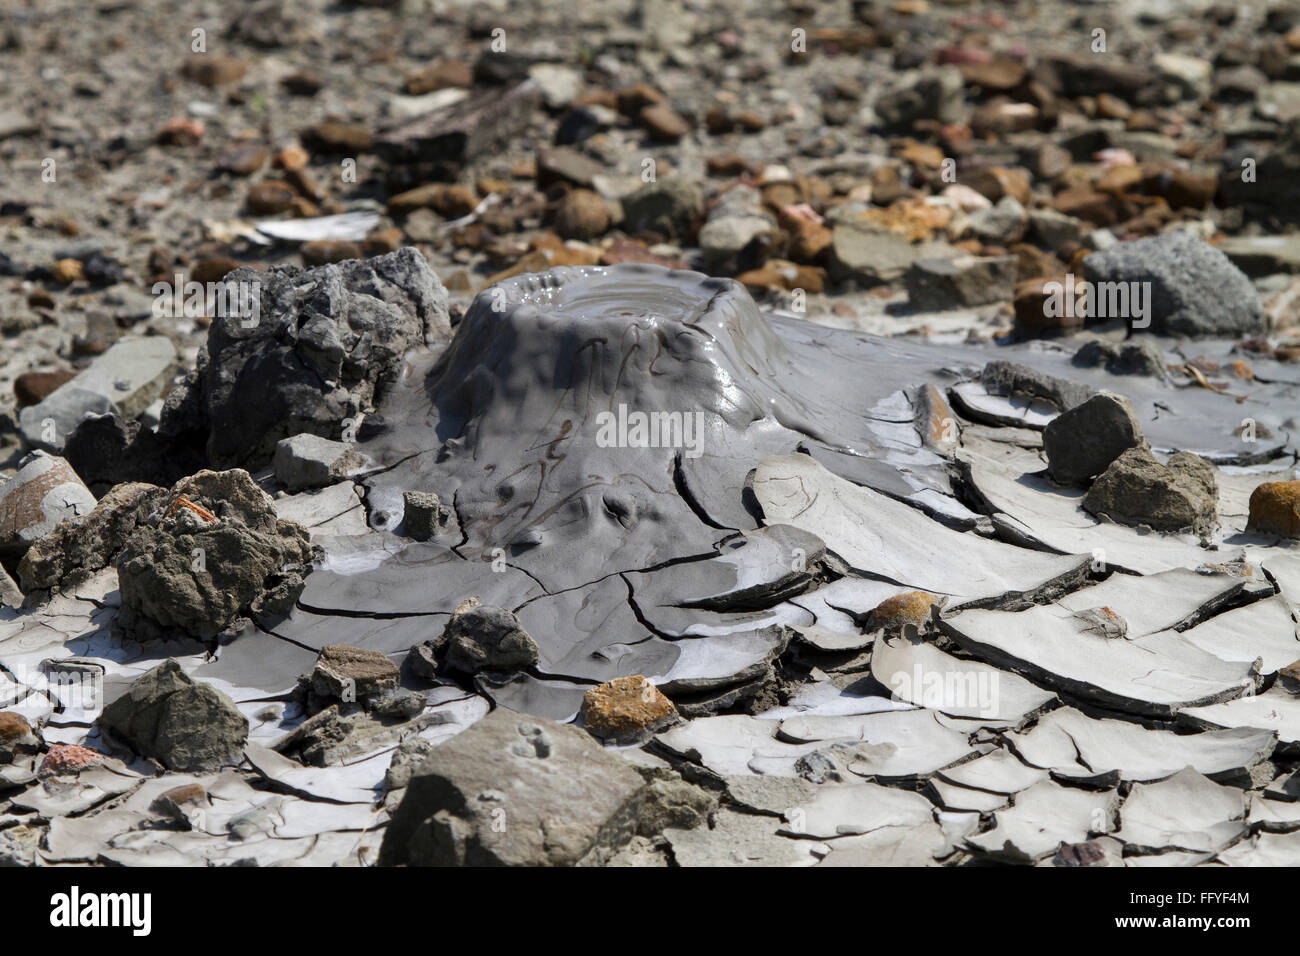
{"x": 183, "y": 724}
{"x": 1083, "y": 441}
{"x": 1138, "y": 490}
{"x": 1188, "y": 287}
{"x": 481, "y": 638}
{"x": 182, "y": 572}
{"x": 323, "y": 347}
{"x": 937, "y": 284}
{"x": 515, "y": 791}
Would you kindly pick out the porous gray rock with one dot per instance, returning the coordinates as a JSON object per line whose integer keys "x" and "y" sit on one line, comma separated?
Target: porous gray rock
{"x": 310, "y": 461}
{"x": 78, "y": 547}
{"x": 515, "y": 791}
{"x": 423, "y": 515}
{"x": 182, "y": 572}
{"x": 352, "y": 674}
{"x": 1138, "y": 490}
{"x": 479, "y": 638}
{"x": 1190, "y": 287}
{"x": 325, "y": 344}
{"x": 1083, "y": 441}
{"x": 183, "y": 724}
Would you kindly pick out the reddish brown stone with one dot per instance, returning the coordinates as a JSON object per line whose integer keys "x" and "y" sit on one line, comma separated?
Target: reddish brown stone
{"x": 33, "y": 387}
{"x": 626, "y": 709}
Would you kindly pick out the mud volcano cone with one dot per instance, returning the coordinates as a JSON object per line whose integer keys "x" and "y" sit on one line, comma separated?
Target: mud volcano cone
{"x": 599, "y": 419}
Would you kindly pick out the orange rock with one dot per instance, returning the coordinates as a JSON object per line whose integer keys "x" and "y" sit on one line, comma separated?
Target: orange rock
{"x": 68, "y": 758}
{"x": 324, "y": 251}
{"x": 779, "y": 274}
{"x": 269, "y": 197}
{"x": 1275, "y": 509}
{"x": 626, "y": 709}
{"x": 66, "y": 271}
{"x": 994, "y": 182}
{"x": 291, "y": 157}
{"x": 910, "y": 607}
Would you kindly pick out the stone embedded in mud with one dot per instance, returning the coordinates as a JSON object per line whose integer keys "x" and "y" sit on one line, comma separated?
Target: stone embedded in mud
{"x": 181, "y": 804}
{"x": 515, "y": 791}
{"x": 321, "y": 349}
{"x": 181, "y": 572}
{"x": 670, "y": 801}
{"x": 1083, "y": 441}
{"x": 1142, "y": 357}
{"x": 626, "y": 710}
{"x": 16, "y": 736}
{"x": 423, "y": 515}
{"x": 309, "y": 461}
{"x": 78, "y": 547}
{"x": 68, "y": 758}
{"x": 1275, "y": 508}
{"x": 1136, "y": 489}
{"x": 483, "y": 638}
{"x": 352, "y": 674}
{"x": 43, "y": 492}
{"x": 911, "y": 608}
{"x": 1010, "y": 378}
{"x": 183, "y": 724}
{"x": 1186, "y": 286}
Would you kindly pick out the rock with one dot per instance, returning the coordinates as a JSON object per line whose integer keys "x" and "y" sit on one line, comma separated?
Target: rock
{"x": 423, "y": 515}
{"x": 242, "y": 159}
{"x": 1083, "y": 441}
{"x": 68, "y": 759}
{"x": 183, "y": 572}
{"x": 334, "y": 138}
{"x": 1142, "y": 357}
{"x": 43, "y": 492}
{"x": 1009, "y": 378}
{"x": 934, "y": 94}
{"x": 627, "y": 710}
{"x": 445, "y": 74}
{"x": 559, "y": 85}
{"x": 337, "y": 342}
{"x": 1042, "y": 307}
{"x": 447, "y": 199}
{"x": 352, "y": 674}
{"x": 309, "y": 461}
{"x": 125, "y": 380}
{"x": 871, "y": 255}
{"x": 1055, "y": 229}
{"x": 408, "y": 756}
{"x": 66, "y": 271}
{"x": 582, "y": 214}
{"x": 453, "y": 135}
{"x": 1275, "y": 509}
{"x": 996, "y": 183}
{"x": 269, "y": 197}
{"x": 1138, "y": 490}
{"x": 79, "y": 547}
{"x": 10, "y": 594}
{"x": 479, "y": 638}
{"x": 669, "y": 207}
{"x": 909, "y": 609}
{"x": 562, "y": 164}
{"x": 669, "y": 801}
{"x": 1001, "y": 224}
{"x": 663, "y": 123}
{"x": 210, "y": 70}
{"x": 938, "y": 284}
{"x": 182, "y": 805}
{"x": 31, "y": 388}
{"x": 1257, "y": 256}
{"x": 515, "y": 791}
{"x": 1190, "y": 77}
{"x": 1194, "y": 290}
{"x": 321, "y": 252}
{"x": 16, "y": 737}
{"x": 183, "y": 724}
